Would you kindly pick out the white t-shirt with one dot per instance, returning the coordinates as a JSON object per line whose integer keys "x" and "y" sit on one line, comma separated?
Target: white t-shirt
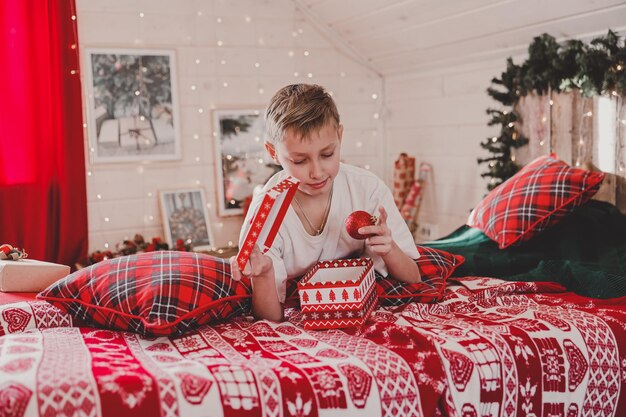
{"x": 294, "y": 251}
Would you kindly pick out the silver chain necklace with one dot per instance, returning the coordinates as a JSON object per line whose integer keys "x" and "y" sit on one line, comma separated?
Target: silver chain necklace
{"x": 319, "y": 230}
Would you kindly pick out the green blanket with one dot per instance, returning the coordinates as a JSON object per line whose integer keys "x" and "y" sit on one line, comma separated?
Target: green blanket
{"x": 585, "y": 252}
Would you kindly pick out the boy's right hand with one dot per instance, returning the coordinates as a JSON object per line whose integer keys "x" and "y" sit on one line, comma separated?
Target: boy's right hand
{"x": 258, "y": 265}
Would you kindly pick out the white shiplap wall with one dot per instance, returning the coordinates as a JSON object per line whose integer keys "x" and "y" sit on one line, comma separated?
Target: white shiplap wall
{"x": 437, "y": 59}
{"x": 127, "y": 193}
{"x": 439, "y": 117}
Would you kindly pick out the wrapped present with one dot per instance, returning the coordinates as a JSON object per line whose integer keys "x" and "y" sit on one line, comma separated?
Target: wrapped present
{"x": 267, "y": 219}
{"x": 338, "y": 294}
{"x": 409, "y": 207}
{"x": 27, "y": 275}
{"x": 403, "y": 178}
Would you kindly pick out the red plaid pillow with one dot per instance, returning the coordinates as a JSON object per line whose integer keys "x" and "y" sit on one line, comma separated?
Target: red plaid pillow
{"x": 153, "y": 293}
{"x": 538, "y": 196}
{"x": 435, "y": 267}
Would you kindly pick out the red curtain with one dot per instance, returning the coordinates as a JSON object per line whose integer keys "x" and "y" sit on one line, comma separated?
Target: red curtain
{"x": 43, "y": 202}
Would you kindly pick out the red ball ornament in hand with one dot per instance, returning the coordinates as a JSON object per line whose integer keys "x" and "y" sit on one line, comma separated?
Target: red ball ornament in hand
{"x": 359, "y": 219}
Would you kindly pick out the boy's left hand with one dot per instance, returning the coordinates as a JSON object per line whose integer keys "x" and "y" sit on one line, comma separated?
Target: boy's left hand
{"x": 381, "y": 241}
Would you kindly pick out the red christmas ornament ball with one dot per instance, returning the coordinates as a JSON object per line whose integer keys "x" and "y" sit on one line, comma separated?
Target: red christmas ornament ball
{"x": 359, "y": 219}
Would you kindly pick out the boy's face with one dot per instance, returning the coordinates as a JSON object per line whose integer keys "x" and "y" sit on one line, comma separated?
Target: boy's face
{"x": 314, "y": 160}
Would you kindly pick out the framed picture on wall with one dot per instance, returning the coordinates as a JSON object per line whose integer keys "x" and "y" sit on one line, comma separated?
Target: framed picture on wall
{"x": 185, "y": 216}
{"x": 132, "y": 105}
{"x": 241, "y": 160}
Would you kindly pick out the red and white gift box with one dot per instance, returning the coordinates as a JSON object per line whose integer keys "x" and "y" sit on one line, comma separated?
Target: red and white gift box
{"x": 28, "y": 275}
{"x": 267, "y": 219}
{"x": 337, "y": 294}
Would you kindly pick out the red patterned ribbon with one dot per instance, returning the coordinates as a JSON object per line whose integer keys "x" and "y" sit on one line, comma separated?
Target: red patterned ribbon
{"x": 8, "y": 252}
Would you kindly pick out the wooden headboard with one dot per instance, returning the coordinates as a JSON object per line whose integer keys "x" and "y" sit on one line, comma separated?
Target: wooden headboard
{"x": 570, "y": 126}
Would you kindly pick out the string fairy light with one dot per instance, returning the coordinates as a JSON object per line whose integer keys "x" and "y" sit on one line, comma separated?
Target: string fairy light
{"x": 620, "y": 128}
{"x": 581, "y": 136}
{"x": 214, "y": 67}
{"x": 545, "y": 118}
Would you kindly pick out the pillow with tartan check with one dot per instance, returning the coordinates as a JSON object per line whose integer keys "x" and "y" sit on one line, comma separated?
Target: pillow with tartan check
{"x": 535, "y": 198}
{"x": 153, "y": 293}
{"x": 435, "y": 267}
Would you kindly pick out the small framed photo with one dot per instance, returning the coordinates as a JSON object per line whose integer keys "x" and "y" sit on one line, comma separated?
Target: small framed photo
{"x": 241, "y": 160}
{"x": 185, "y": 217}
{"x": 132, "y": 105}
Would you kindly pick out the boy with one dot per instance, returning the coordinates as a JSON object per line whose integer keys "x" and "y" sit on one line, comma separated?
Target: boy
{"x": 304, "y": 136}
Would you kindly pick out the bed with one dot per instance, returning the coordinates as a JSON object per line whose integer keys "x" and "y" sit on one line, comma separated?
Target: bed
{"x": 489, "y": 348}
{"x": 508, "y": 337}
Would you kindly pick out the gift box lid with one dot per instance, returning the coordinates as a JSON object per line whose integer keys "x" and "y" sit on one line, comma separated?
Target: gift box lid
{"x": 268, "y": 218}
{"x": 337, "y": 282}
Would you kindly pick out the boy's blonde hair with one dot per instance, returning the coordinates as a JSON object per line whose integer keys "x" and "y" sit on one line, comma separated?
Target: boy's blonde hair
{"x": 303, "y": 108}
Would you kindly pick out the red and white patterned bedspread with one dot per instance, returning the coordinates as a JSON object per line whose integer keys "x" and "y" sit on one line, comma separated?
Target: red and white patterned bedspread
{"x": 491, "y": 348}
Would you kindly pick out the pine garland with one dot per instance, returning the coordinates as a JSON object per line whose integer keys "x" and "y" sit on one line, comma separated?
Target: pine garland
{"x": 596, "y": 68}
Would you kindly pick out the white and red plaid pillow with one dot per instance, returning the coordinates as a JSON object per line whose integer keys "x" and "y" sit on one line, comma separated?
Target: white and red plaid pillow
{"x": 435, "y": 267}
{"x": 154, "y": 293}
{"x": 535, "y": 198}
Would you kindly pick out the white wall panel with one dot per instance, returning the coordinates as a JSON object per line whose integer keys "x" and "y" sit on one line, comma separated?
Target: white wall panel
{"x": 211, "y": 77}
